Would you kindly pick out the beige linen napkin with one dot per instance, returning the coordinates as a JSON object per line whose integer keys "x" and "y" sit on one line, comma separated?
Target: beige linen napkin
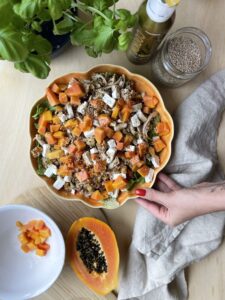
{"x": 158, "y": 254}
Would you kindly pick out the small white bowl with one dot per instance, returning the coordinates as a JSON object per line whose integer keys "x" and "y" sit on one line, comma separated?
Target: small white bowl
{"x": 26, "y": 275}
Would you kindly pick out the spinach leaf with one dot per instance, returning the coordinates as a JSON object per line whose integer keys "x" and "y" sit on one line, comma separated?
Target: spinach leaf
{"x": 41, "y": 108}
{"x": 134, "y": 181}
{"x": 40, "y": 169}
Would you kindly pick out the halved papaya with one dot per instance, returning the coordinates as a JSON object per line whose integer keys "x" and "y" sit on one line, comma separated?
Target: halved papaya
{"x": 93, "y": 254}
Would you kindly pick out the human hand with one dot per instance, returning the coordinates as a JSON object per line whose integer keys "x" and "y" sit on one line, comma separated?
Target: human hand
{"x": 174, "y": 204}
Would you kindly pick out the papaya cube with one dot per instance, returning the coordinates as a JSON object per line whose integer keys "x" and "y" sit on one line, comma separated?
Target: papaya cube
{"x": 129, "y": 154}
{"x": 50, "y": 139}
{"x": 150, "y": 101}
{"x": 45, "y": 117}
{"x": 109, "y": 132}
{"x": 104, "y": 120}
{"x": 159, "y": 145}
{"x": 143, "y": 171}
{"x": 56, "y": 120}
{"x": 44, "y": 246}
{"x": 109, "y": 186}
{"x": 115, "y": 112}
{"x": 58, "y": 134}
{"x": 31, "y": 246}
{"x": 162, "y": 128}
{"x": 52, "y": 97}
{"x": 71, "y": 123}
{"x": 64, "y": 171}
{"x": 54, "y": 127}
{"x": 74, "y": 100}
{"x": 45, "y": 232}
{"x": 99, "y": 135}
{"x": 39, "y": 225}
{"x": 40, "y": 252}
{"x": 80, "y": 145}
{"x": 23, "y": 239}
{"x": 118, "y": 136}
{"x": 76, "y": 131}
{"x": 55, "y": 88}
{"x": 86, "y": 124}
{"x": 125, "y": 114}
{"x": 25, "y": 248}
{"x": 97, "y": 196}
{"x": 119, "y": 146}
{"x": 63, "y": 98}
{"x": 55, "y": 154}
{"x": 120, "y": 183}
{"x": 75, "y": 90}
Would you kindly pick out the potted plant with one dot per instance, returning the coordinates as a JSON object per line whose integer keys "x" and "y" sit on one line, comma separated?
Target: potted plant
{"x": 101, "y": 29}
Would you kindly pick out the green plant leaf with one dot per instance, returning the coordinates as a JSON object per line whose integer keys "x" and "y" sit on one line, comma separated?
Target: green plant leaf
{"x": 27, "y": 9}
{"x": 6, "y": 12}
{"x": 103, "y": 4}
{"x": 104, "y": 40}
{"x": 11, "y": 45}
{"x": 36, "y": 26}
{"x": 39, "y": 44}
{"x": 55, "y": 9}
{"x": 34, "y": 64}
{"x": 124, "y": 40}
{"x": 44, "y": 15}
{"x": 83, "y": 37}
{"x": 91, "y": 52}
{"x": 98, "y": 21}
{"x": 64, "y": 26}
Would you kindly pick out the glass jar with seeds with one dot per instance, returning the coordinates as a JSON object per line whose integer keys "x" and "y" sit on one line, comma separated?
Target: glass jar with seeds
{"x": 182, "y": 56}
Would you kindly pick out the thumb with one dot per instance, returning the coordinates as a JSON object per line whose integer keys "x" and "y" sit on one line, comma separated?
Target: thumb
{"x": 153, "y": 195}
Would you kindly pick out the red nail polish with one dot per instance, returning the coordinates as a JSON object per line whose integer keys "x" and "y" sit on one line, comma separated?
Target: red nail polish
{"x": 140, "y": 192}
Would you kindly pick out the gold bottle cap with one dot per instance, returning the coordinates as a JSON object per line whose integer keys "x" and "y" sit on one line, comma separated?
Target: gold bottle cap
{"x": 172, "y": 2}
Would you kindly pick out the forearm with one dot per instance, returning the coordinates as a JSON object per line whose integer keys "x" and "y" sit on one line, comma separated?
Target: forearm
{"x": 209, "y": 197}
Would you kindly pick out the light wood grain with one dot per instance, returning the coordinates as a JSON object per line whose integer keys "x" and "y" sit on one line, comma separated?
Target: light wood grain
{"x": 64, "y": 213}
{"x": 19, "y": 92}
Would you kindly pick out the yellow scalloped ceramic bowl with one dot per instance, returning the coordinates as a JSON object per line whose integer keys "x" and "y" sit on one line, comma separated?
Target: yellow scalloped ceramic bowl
{"x": 142, "y": 85}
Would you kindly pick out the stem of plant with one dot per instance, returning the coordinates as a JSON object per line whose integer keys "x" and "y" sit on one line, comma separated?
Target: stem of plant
{"x": 76, "y": 19}
{"x": 84, "y": 7}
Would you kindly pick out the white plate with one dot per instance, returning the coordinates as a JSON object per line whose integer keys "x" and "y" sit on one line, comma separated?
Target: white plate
{"x": 26, "y": 275}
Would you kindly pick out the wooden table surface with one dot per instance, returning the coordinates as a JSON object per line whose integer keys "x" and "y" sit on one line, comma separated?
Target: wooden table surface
{"x": 19, "y": 91}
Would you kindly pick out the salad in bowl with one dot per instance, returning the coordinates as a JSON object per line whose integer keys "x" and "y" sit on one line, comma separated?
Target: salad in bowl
{"x": 97, "y": 136}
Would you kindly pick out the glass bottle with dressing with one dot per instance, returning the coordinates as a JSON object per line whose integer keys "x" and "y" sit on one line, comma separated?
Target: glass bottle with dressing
{"x": 155, "y": 18}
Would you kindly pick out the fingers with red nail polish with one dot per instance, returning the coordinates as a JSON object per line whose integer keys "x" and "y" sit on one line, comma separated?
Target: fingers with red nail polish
{"x": 140, "y": 192}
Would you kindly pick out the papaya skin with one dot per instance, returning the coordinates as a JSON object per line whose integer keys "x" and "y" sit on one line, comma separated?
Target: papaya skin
{"x": 100, "y": 284}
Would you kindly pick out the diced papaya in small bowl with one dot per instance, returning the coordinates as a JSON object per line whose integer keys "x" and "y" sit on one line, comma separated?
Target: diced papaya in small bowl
{"x": 31, "y": 237}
